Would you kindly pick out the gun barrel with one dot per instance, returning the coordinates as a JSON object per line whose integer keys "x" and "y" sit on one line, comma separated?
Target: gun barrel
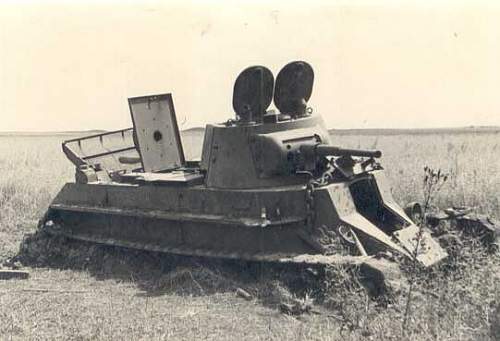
{"x": 326, "y": 150}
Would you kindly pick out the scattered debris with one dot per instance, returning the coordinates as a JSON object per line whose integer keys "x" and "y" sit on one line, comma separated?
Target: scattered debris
{"x": 244, "y": 294}
{"x": 12, "y": 263}
{"x": 463, "y": 219}
{"x": 298, "y": 307}
{"x": 43, "y": 290}
{"x": 13, "y": 274}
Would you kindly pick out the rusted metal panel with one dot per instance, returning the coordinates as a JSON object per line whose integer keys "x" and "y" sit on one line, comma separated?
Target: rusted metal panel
{"x": 428, "y": 251}
{"x": 158, "y": 137}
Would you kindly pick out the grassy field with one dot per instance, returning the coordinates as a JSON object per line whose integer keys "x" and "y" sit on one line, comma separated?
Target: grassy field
{"x": 74, "y": 304}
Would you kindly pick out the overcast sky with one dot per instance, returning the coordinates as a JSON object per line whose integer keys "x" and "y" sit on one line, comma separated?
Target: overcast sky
{"x": 72, "y": 66}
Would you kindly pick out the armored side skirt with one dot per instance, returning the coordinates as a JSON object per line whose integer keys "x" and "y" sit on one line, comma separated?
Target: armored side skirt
{"x": 257, "y": 224}
{"x": 251, "y": 225}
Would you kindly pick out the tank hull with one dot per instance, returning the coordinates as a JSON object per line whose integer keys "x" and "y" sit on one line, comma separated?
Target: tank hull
{"x": 270, "y": 224}
{"x": 251, "y": 224}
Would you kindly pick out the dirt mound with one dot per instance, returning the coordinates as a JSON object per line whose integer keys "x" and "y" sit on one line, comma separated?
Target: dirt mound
{"x": 192, "y": 281}
{"x": 292, "y": 289}
{"x": 44, "y": 250}
{"x": 159, "y": 273}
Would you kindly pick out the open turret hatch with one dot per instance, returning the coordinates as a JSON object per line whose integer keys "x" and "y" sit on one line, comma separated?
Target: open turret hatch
{"x": 157, "y": 134}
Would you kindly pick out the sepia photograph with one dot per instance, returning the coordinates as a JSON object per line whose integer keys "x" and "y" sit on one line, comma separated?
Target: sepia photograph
{"x": 250, "y": 170}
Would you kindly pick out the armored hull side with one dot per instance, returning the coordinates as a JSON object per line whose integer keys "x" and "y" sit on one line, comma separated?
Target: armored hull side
{"x": 248, "y": 224}
{"x": 259, "y": 224}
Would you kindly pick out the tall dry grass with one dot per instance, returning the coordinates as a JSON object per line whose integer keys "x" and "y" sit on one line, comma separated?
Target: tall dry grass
{"x": 32, "y": 170}
{"x": 471, "y": 159}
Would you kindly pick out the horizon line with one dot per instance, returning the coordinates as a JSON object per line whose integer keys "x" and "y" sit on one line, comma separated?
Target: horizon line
{"x": 71, "y": 131}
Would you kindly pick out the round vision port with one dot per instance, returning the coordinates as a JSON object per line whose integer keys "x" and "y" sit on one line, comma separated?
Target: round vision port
{"x": 157, "y": 136}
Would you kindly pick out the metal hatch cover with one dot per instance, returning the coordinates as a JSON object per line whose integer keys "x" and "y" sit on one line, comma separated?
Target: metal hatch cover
{"x": 293, "y": 88}
{"x": 157, "y": 133}
{"x": 253, "y": 93}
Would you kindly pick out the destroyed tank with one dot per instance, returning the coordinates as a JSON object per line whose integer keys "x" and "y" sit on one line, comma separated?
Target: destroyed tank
{"x": 270, "y": 186}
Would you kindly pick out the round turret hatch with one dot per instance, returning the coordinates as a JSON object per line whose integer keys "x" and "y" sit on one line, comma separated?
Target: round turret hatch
{"x": 253, "y": 93}
{"x": 293, "y": 89}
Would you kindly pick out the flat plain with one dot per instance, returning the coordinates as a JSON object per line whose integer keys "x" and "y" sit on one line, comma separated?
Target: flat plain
{"x": 77, "y": 304}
